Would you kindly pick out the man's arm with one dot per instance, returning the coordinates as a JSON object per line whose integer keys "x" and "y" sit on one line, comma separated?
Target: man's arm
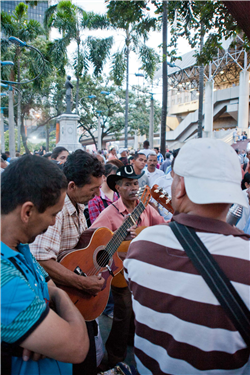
{"x": 62, "y": 276}
{"x": 62, "y": 335}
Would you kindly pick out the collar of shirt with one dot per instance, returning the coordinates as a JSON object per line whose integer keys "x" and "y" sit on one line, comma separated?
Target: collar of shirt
{"x": 205, "y": 224}
{"x": 121, "y": 207}
{"x": 103, "y": 196}
{"x": 71, "y": 208}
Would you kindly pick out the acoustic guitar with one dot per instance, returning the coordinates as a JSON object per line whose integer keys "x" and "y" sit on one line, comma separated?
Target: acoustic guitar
{"x": 99, "y": 256}
{"x": 161, "y": 197}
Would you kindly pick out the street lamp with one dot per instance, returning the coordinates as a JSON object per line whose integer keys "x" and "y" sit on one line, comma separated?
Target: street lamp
{"x": 2, "y": 121}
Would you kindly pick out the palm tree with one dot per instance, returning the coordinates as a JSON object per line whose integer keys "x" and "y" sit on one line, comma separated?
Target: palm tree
{"x": 132, "y": 17}
{"x": 19, "y": 26}
{"x": 71, "y": 20}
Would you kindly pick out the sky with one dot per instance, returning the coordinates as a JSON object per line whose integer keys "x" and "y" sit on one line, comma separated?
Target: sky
{"x": 155, "y": 39}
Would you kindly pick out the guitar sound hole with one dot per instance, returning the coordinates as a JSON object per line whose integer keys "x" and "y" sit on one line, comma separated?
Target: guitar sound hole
{"x": 102, "y": 258}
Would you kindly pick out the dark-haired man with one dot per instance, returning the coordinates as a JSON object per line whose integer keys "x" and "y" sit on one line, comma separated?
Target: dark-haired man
{"x": 139, "y": 161}
{"x": 32, "y": 193}
{"x": 84, "y": 175}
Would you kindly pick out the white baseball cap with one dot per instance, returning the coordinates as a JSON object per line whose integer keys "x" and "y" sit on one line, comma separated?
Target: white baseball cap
{"x": 211, "y": 171}
{"x": 121, "y": 150}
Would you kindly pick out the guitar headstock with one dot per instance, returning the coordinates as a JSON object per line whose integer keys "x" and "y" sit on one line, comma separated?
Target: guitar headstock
{"x": 162, "y": 197}
{"x": 144, "y": 194}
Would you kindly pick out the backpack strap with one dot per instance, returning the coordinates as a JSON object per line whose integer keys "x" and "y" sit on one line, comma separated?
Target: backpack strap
{"x": 215, "y": 278}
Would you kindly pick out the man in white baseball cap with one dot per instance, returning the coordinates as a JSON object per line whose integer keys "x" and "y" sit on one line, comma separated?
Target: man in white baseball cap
{"x": 180, "y": 326}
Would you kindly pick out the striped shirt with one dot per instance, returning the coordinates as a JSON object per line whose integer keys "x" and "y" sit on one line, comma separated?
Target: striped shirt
{"x": 180, "y": 327}
{"x": 64, "y": 235}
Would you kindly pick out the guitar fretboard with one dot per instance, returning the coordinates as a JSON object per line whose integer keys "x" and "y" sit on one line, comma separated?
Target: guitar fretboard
{"x": 122, "y": 232}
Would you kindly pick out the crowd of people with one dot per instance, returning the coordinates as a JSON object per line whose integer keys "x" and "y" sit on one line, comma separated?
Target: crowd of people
{"x": 159, "y": 302}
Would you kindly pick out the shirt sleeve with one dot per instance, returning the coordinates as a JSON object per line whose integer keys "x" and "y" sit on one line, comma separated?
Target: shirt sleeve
{"x": 21, "y": 309}
{"x": 47, "y": 246}
{"x": 94, "y": 209}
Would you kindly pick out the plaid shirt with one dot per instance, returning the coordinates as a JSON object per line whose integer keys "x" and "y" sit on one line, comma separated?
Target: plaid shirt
{"x": 64, "y": 235}
{"x": 96, "y": 205}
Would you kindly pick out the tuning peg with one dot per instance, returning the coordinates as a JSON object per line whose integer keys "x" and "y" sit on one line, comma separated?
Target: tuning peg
{"x": 162, "y": 196}
{"x": 167, "y": 201}
{"x": 156, "y": 191}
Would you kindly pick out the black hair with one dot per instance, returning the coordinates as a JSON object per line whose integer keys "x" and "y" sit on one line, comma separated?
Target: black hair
{"x": 137, "y": 154}
{"x": 110, "y": 168}
{"x": 168, "y": 155}
{"x": 47, "y": 155}
{"x": 4, "y": 156}
{"x": 33, "y": 179}
{"x": 56, "y": 152}
{"x": 146, "y": 143}
{"x": 80, "y": 166}
{"x": 175, "y": 153}
{"x": 246, "y": 178}
{"x": 156, "y": 148}
{"x": 152, "y": 154}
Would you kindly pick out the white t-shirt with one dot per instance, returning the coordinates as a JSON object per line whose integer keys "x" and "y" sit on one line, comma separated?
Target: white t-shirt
{"x": 152, "y": 176}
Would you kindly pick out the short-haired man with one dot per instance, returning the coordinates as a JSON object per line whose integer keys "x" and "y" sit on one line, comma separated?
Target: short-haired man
{"x": 139, "y": 161}
{"x": 32, "y": 193}
{"x": 152, "y": 172}
{"x": 84, "y": 175}
{"x": 146, "y": 150}
{"x": 180, "y": 327}
{"x": 125, "y": 182}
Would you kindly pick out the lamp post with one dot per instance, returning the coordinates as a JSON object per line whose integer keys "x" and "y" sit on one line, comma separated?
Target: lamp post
{"x": 2, "y": 125}
{"x": 99, "y": 139}
{"x": 12, "y": 148}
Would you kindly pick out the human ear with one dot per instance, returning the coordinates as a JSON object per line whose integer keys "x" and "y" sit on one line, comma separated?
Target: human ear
{"x": 26, "y": 211}
{"x": 71, "y": 186}
{"x": 180, "y": 190}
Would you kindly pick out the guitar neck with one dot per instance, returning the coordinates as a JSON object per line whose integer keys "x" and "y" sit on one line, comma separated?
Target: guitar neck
{"x": 122, "y": 232}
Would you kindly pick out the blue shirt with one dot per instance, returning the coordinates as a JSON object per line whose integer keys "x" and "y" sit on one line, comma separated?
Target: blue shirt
{"x": 24, "y": 305}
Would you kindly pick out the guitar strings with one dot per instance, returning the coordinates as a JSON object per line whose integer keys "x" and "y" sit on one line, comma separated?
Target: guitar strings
{"x": 116, "y": 240}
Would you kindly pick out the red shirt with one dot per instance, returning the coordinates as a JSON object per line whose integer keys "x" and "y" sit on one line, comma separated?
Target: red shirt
{"x": 96, "y": 205}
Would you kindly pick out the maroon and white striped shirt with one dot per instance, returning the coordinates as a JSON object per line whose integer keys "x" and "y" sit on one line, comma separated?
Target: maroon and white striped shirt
{"x": 180, "y": 327}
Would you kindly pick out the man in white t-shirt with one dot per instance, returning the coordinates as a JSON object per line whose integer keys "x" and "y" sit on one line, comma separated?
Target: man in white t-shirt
{"x": 152, "y": 172}
{"x": 146, "y": 150}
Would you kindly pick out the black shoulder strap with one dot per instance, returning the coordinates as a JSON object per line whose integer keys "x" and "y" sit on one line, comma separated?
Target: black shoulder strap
{"x": 217, "y": 281}
{"x": 104, "y": 202}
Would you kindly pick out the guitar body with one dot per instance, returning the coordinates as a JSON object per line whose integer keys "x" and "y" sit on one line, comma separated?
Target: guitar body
{"x": 92, "y": 260}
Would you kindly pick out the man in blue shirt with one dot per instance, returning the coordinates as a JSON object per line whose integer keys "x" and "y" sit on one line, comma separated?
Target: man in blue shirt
{"x": 42, "y": 331}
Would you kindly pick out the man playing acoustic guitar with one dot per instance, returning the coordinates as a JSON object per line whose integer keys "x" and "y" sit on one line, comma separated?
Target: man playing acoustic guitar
{"x": 125, "y": 182}
{"x": 84, "y": 175}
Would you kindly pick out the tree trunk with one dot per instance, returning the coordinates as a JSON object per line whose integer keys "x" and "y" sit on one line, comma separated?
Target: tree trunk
{"x": 164, "y": 78}
{"x": 77, "y": 75}
{"x": 24, "y": 138}
{"x": 127, "y": 83}
{"x": 47, "y": 137}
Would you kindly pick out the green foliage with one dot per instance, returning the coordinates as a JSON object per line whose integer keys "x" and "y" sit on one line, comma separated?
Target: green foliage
{"x": 6, "y": 142}
{"x": 149, "y": 59}
{"x": 118, "y": 68}
{"x": 185, "y": 19}
{"x": 112, "y": 109}
{"x": 133, "y": 18}
{"x": 94, "y": 21}
{"x": 99, "y": 51}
